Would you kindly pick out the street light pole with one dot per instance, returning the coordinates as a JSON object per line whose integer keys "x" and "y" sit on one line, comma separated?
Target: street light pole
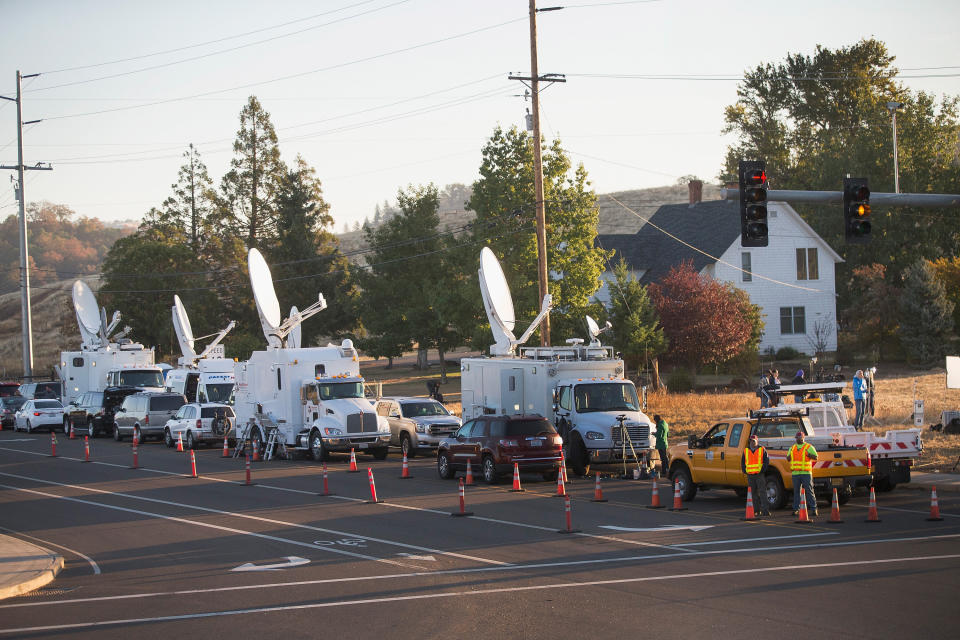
{"x": 892, "y": 107}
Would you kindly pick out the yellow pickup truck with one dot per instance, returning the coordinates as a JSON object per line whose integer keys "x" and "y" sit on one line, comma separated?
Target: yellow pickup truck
{"x": 712, "y": 461}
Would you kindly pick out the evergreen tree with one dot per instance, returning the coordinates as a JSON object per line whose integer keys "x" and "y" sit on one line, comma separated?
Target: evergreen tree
{"x": 636, "y": 331}
{"x": 925, "y": 313}
{"x": 193, "y": 201}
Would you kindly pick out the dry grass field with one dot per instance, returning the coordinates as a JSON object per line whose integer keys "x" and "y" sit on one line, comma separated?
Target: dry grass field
{"x": 694, "y": 412}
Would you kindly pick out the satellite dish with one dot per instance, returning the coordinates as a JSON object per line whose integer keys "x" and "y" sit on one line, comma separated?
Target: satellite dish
{"x": 88, "y": 313}
{"x": 181, "y": 325}
{"x": 499, "y": 306}
{"x": 594, "y": 330}
{"x": 275, "y": 329}
{"x": 266, "y": 297}
{"x": 293, "y": 338}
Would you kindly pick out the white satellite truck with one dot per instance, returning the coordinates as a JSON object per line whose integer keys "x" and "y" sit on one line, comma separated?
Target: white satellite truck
{"x": 104, "y": 360}
{"x": 207, "y": 376}
{"x": 303, "y": 398}
{"x": 579, "y": 388}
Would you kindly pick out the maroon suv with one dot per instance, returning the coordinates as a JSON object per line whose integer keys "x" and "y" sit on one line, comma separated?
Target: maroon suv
{"x": 493, "y": 444}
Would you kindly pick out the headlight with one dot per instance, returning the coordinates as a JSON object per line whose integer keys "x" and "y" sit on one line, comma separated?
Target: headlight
{"x": 332, "y": 431}
{"x": 594, "y": 435}
{"x": 420, "y": 428}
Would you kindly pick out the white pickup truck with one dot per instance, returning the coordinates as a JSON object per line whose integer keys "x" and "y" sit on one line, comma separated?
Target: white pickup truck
{"x": 891, "y": 456}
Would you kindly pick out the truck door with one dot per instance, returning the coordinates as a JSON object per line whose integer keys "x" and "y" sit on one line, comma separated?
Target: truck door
{"x": 564, "y": 408}
{"x": 709, "y": 460}
{"x": 732, "y": 452}
{"x": 511, "y": 390}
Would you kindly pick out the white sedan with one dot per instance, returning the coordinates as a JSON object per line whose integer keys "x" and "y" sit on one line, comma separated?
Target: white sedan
{"x": 199, "y": 422}
{"x": 36, "y": 414}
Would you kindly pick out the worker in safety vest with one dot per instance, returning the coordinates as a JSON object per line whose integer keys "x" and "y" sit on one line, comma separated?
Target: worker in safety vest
{"x": 801, "y": 459}
{"x": 754, "y": 463}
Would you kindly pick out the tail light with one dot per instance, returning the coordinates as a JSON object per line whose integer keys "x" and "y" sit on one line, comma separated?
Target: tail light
{"x": 146, "y": 420}
{"x": 199, "y": 424}
{"x": 36, "y": 413}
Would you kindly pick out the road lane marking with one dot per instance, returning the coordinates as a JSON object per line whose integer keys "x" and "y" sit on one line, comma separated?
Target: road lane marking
{"x": 479, "y": 592}
{"x": 267, "y": 520}
{"x": 292, "y": 561}
{"x": 473, "y": 571}
{"x": 667, "y": 528}
{"x": 93, "y": 565}
{"x": 751, "y": 540}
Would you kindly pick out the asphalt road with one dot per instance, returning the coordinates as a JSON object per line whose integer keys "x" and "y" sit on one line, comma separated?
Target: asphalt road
{"x": 156, "y": 553}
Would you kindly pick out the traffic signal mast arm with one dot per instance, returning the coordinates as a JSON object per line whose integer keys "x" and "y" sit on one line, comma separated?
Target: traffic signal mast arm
{"x": 877, "y": 200}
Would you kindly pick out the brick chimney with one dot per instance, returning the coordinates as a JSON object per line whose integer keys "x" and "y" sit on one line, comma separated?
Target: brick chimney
{"x": 696, "y": 191}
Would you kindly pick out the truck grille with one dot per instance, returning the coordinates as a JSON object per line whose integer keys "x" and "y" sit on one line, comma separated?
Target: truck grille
{"x": 442, "y": 429}
{"x": 639, "y": 434}
{"x": 361, "y": 422}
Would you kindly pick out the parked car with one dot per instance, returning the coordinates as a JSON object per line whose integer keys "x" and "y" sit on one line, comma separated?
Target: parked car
{"x": 8, "y": 407}
{"x": 9, "y": 389}
{"x": 49, "y": 390}
{"x": 36, "y": 414}
{"x": 91, "y": 414}
{"x": 145, "y": 414}
{"x": 200, "y": 422}
{"x": 494, "y": 443}
{"x": 417, "y": 423}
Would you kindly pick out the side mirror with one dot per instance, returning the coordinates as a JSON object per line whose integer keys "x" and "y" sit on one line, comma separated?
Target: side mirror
{"x": 692, "y": 442}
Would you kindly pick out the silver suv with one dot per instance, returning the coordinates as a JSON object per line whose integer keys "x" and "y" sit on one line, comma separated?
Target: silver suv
{"x": 145, "y": 414}
{"x": 416, "y": 423}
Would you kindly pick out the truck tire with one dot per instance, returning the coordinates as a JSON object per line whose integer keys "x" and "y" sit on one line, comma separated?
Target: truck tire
{"x": 489, "y": 470}
{"x": 884, "y": 484}
{"x": 66, "y": 426}
{"x": 576, "y": 456}
{"x": 406, "y": 447}
{"x": 444, "y": 468}
{"x": 91, "y": 431}
{"x": 844, "y": 495}
{"x": 190, "y": 443}
{"x": 381, "y": 453}
{"x": 776, "y": 494}
{"x": 317, "y": 451}
{"x": 680, "y": 474}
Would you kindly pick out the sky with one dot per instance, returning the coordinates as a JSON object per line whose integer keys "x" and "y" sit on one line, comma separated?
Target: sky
{"x": 378, "y": 95}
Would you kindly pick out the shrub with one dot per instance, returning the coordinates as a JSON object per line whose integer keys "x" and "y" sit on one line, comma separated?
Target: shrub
{"x": 680, "y": 380}
{"x": 788, "y": 353}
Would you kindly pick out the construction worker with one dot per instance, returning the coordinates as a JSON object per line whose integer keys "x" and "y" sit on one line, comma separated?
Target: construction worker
{"x": 801, "y": 459}
{"x": 754, "y": 463}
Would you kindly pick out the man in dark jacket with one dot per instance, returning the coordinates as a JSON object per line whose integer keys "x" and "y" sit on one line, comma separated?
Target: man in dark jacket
{"x": 754, "y": 463}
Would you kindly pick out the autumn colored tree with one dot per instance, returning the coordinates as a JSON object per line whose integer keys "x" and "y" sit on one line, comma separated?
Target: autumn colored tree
{"x": 705, "y": 321}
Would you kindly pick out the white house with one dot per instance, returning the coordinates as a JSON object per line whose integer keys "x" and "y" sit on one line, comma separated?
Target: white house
{"x": 792, "y": 279}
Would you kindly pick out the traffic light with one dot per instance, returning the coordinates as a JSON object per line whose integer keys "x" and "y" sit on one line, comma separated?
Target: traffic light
{"x": 856, "y": 210}
{"x": 753, "y": 203}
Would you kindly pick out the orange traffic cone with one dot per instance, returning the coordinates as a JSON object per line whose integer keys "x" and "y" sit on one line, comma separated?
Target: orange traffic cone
{"x": 934, "y": 507}
{"x": 405, "y": 470}
{"x": 353, "y": 462}
{"x": 516, "y": 478}
{"x": 193, "y": 464}
{"x": 598, "y": 492}
{"x": 255, "y": 445}
{"x": 226, "y": 449}
{"x": 563, "y": 466}
{"x": 469, "y": 481}
{"x": 180, "y": 441}
{"x": 71, "y": 431}
{"x": 749, "y": 514}
{"x": 655, "y": 498}
{"x": 561, "y": 488}
{"x": 803, "y": 517}
{"x": 835, "y": 509}
{"x": 677, "y": 500}
{"x": 872, "y": 513}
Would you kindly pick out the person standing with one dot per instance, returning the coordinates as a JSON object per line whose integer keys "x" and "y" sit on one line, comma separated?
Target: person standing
{"x": 798, "y": 379}
{"x": 754, "y": 463}
{"x": 801, "y": 459}
{"x": 859, "y": 398}
{"x": 662, "y": 429}
{"x": 762, "y": 391}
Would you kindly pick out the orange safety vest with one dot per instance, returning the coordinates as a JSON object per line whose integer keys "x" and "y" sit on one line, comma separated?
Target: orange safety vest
{"x": 754, "y": 460}
{"x": 800, "y": 460}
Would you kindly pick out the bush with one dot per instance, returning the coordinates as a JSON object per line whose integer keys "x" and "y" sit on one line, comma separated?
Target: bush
{"x": 788, "y": 353}
{"x": 680, "y": 381}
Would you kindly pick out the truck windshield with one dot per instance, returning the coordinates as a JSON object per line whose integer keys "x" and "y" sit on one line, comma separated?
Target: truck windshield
{"x": 606, "y": 396}
{"x": 221, "y": 392}
{"x": 337, "y": 390}
{"x": 141, "y": 379}
{"x": 417, "y": 409}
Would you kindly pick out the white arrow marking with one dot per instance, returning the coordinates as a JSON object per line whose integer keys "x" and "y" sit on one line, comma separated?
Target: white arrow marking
{"x": 670, "y": 527}
{"x": 416, "y": 557}
{"x": 292, "y": 561}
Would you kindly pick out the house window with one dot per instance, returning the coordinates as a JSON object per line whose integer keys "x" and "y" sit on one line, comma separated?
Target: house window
{"x": 792, "y": 320}
{"x": 807, "y": 265}
{"x": 746, "y": 265}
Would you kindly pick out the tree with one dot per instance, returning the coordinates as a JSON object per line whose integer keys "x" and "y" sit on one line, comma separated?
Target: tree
{"x": 948, "y": 273}
{"x": 706, "y": 322}
{"x": 193, "y": 199}
{"x": 636, "y": 331}
{"x": 503, "y": 199}
{"x": 925, "y": 313}
{"x": 815, "y": 119}
{"x": 873, "y": 311}
{"x": 305, "y": 256}
{"x": 250, "y": 188}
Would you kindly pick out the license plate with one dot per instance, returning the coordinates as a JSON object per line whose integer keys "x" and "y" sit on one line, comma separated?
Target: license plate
{"x": 536, "y": 442}
{"x": 837, "y": 482}
{"x": 363, "y": 445}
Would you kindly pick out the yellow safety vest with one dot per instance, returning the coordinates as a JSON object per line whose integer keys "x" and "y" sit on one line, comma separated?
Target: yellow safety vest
{"x": 754, "y": 461}
{"x": 800, "y": 460}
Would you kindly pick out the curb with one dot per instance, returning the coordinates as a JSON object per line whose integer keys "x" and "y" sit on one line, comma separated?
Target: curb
{"x": 941, "y": 488}
{"x": 39, "y": 578}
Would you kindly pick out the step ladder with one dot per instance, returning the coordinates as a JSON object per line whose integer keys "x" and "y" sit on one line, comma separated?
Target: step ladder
{"x": 276, "y": 444}
{"x": 242, "y": 439}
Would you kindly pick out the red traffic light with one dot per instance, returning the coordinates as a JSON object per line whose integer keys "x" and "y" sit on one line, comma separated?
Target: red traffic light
{"x": 755, "y": 177}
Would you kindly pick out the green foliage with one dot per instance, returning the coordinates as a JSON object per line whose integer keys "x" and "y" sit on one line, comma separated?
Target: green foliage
{"x": 787, "y": 353}
{"x": 926, "y": 318}
{"x": 815, "y": 119}
{"x": 190, "y": 207}
{"x": 873, "y": 311}
{"x": 636, "y": 331}
{"x": 680, "y": 380}
{"x": 504, "y": 201}
{"x": 948, "y": 273}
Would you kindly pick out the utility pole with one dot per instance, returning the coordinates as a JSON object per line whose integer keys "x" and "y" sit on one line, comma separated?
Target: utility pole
{"x": 541, "y": 214}
{"x": 27, "y": 327}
